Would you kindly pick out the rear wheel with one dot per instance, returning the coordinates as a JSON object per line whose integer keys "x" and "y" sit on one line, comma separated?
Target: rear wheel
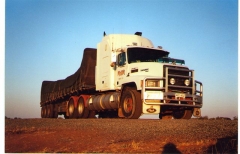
{"x": 51, "y": 111}
{"x": 45, "y": 111}
{"x": 182, "y": 114}
{"x": 165, "y": 116}
{"x": 82, "y": 111}
{"x": 108, "y": 114}
{"x": 42, "y": 112}
{"x": 165, "y": 113}
{"x": 55, "y": 111}
{"x": 65, "y": 116}
{"x": 71, "y": 109}
{"x": 131, "y": 104}
{"x": 92, "y": 114}
{"x": 48, "y": 111}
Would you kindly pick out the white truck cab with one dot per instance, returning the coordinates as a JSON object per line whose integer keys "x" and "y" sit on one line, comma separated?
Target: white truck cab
{"x": 166, "y": 86}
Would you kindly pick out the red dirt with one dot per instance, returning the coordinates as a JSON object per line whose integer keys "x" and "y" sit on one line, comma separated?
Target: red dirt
{"x": 120, "y": 135}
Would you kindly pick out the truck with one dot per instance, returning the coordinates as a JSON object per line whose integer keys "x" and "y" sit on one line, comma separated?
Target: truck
{"x": 125, "y": 77}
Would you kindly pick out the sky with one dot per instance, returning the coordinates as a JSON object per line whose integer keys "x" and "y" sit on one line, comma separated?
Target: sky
{"x": 45, "y": 39}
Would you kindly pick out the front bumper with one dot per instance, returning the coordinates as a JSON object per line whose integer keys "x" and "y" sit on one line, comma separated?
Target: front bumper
{"x": 161, "y": 96}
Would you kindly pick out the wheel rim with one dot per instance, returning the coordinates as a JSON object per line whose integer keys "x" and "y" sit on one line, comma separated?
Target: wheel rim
{"x": 128, "y": 104}
{"x": 131, "y": 104}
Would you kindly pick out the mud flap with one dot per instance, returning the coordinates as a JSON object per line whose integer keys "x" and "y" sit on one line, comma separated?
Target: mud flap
{"x": 197, "y": 112}
{"x": 150, "y": 109}
{"x": 120, "y": 113}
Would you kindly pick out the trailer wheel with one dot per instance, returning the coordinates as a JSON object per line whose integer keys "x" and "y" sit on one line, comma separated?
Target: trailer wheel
{"x": 82, "y": 111}
{"x": 71, "y": 109}
{"x": 65, "y": 116}
{"x": 131, "y": 104}
{"x": 44, "y": 109}
{"x": 48, "y": 111}
{"x": 182, "y": 114}
{"x": 92, "y": 114}
{"x": 51, "y": 110}
{"x": 55, "y": 111}
{"x": 42, "y": 112}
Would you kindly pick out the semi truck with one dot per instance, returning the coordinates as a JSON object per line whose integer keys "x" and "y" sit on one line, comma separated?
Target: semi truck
{"x": 125, "y": 77}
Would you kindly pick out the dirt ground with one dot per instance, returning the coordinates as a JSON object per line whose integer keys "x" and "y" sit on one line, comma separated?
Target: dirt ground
{"x": 120, "y": 136}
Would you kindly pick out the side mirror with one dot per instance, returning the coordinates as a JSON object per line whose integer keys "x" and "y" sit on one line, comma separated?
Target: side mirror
{"x": 113, "y": 64}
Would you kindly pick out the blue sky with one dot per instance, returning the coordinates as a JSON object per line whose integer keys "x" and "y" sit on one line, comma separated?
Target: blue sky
{"x": 45, "y": 39}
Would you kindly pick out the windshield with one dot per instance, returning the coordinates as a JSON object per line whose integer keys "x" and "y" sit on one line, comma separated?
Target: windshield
{"x": 171, "y": 60}
{"x": 145, "y": 55}
{"x": 136, "y": 55}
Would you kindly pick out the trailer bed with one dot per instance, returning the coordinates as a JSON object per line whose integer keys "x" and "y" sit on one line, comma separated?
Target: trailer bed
{"x": 82, "y": 79}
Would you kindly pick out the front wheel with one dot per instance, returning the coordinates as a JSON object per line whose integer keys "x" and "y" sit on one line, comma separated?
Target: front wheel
{"x": 131, "y": 104}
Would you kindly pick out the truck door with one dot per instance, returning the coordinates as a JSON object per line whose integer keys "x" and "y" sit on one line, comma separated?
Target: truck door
{"x": 121, "y": 70}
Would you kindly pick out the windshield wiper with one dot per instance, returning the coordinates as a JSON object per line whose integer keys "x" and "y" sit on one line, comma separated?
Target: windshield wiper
{"x": 171, "y": 60}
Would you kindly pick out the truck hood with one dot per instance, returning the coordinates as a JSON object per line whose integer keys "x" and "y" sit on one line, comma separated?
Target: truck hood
{"x": 148, "y": 69}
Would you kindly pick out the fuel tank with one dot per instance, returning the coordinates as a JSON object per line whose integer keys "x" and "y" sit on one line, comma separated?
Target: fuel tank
{"x": 104, "y": 101}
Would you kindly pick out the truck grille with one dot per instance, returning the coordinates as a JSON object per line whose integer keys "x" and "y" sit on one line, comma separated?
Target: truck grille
{"x": 179, "y": 74}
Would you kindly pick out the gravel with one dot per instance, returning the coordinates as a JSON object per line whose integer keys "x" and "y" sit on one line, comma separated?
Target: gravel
{"x": 114, "y": 131}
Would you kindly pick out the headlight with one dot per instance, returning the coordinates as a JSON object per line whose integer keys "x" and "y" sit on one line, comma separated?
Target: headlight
{"x": 187, "y": 82}
{"x": 172, "y": 81}
{"x": 152, "y": 83}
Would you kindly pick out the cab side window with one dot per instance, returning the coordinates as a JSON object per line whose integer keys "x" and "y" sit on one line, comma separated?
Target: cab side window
{"x": 121, "y": 59}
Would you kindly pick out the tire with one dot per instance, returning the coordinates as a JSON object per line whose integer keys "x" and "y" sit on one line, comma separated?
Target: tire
{"x": 42, "y": 112}
{"x": 51, "y": 111}
{"x": 71, "y": 109}
{"x": 182, "y": 114}
{"x": 65, "y": 116}
{"x": 82, "y": 111}
{"x": 131, "y": 104}
{"x": 165, "y": 113}
{"x": 165, "y": 117}
{"x": 55, "y": 111}
{"x": 48, "y": 111}
{"x": 92, "y": 114}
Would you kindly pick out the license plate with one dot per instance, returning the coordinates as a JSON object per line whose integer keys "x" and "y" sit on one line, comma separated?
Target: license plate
{"x": 179, "y": 96}
{"x": 153, "y": 95}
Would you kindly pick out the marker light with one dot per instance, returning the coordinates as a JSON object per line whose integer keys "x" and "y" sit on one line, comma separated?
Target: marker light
{"x": 187, "y": 82}
{"x": 172, "y": 81}
{"x": 152, "y": 83}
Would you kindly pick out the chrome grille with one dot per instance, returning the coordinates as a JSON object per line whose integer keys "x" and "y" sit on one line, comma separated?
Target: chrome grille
{"x": 180, "y": 74}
